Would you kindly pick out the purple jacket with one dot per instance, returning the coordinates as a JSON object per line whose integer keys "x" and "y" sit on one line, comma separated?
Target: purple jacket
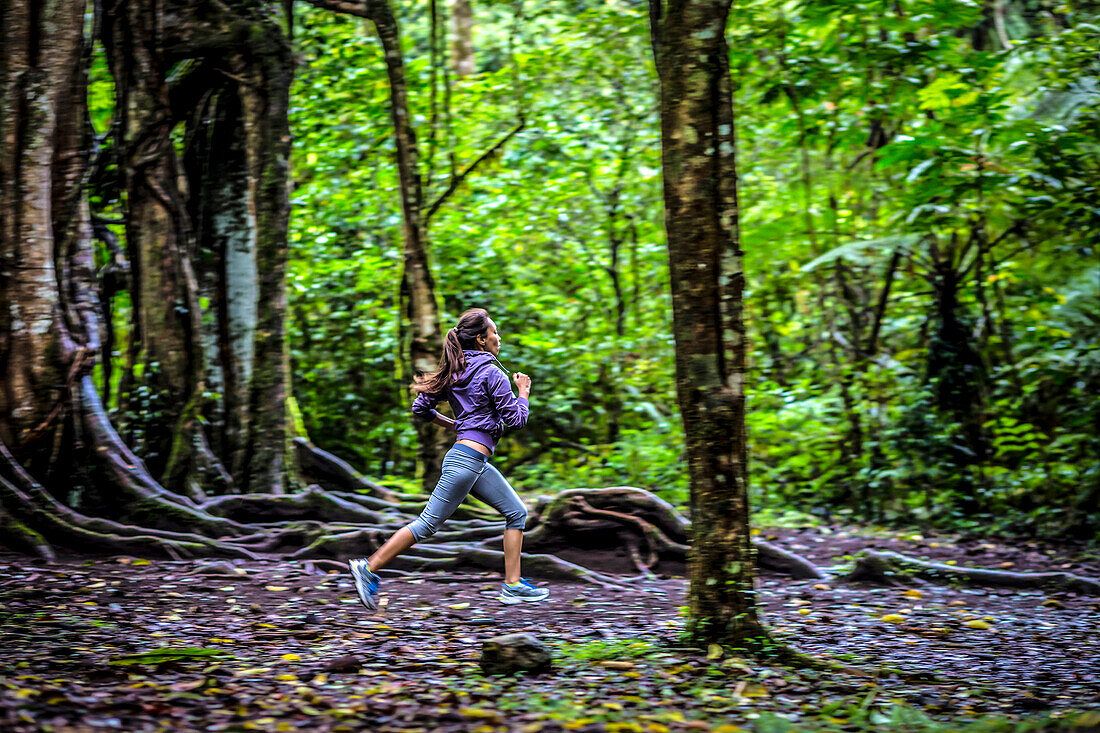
{"x": 481, "y": 399}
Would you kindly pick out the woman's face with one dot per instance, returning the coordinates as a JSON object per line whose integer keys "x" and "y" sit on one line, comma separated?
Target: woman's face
{"x": 491, "y": 340}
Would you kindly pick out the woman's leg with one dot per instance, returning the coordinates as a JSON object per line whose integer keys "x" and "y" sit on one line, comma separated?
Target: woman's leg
{"x": 459, "y": 473}
{"x": 493, "y": 489}
{"x": 513, "y": 546}
{"x": 400, "y": 541}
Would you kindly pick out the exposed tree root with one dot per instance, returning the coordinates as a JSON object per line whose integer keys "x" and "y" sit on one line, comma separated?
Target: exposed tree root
{"x": 16, "y": 535}
{"x": 892, "y": 568}
{"x": 334, "y": 473}
{"x": 149, "y": 504}
{"x": 312, "y": 503}
{"x": 776, "y": 558}
{"x": 448, "y": 557}
{"x": 75, "y": 530}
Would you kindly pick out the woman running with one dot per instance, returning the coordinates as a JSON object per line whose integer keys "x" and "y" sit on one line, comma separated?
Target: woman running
{"x": 483, "y": 404}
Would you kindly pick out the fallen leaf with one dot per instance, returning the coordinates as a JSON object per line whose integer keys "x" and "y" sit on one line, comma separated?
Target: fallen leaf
{"x": 978, "y": 624}
{"x": 611, "y": 664}
{"x": 714, "y": 651}
{"x": 893, "y": 618}
{"x": 913, "y": 594}
{"x": 167, "y": 654}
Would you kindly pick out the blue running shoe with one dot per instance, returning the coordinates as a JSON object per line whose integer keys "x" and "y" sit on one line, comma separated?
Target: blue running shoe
{"x": 522, "y": 592}
{"x": 366, "y": 583}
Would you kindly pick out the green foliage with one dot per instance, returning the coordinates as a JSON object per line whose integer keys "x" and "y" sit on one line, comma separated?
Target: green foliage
{"x": 929, "y": 145}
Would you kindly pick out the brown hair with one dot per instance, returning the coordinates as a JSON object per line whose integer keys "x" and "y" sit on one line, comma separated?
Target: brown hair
{"x": 471, "y": 324}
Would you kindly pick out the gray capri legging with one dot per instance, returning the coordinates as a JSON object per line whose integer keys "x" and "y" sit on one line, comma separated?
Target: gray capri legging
{"x": 465, "y": 471}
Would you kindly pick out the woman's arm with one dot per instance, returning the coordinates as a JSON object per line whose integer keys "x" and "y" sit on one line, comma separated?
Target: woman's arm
{"x": 444, "y": 422}
{"x": 424, "y": 409}
{"x": 513, "y": 411}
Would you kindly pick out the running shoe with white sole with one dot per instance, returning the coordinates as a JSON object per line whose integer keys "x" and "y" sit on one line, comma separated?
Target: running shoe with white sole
{"x": 366, "y": 583}
{"x": 522, "y": 592}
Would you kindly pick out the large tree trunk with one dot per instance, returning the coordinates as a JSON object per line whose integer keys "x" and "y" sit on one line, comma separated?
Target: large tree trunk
{"x": 705, "y": 258}
{"x": 41, "y": 140}
{"x": 265, "y": 101}
{"x": 226, "y": 263}
{"x": 168, "y": 360}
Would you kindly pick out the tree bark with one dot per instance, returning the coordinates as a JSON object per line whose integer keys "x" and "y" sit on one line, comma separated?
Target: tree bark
{"x": 164, "y": 291}
{"x": 41, "y": 46}
{"x": 265, "y": 101}
{"x": 421, "y": 311}
{"x": 462, "y": 24}
{"x": 697, "y": 143}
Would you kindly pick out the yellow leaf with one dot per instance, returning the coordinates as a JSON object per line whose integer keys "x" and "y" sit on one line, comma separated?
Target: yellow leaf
{"x": 624, "y": 728}
{"x": 817, "y": 586}
{"x": 141, "y": 562}
{"x": 913, "y": 594}
{"x": 714, "y": 651}
{"x": 804, "y": 612}
{"x": 1053, "y": 603}
{"x": 319, "y": 679}
{"x": 480, "y": 714}
{"x": 459, "y": 606}
{"x": 893, "y": 618}
{"x": 287, "y": 678}
{"x": 727, "y": 728}
{"x": 657, "y": 728}
{"x": 611, "y": 664}
{"x": 221, "y": 641}
{"x": 276, "y": 588}
{"x": 755, "y": 691}
{"x": 978, "y": 624}
{"x": 290, "y": 658}
{"x": 253, "y": 672}
{"x": 612, "y": 705}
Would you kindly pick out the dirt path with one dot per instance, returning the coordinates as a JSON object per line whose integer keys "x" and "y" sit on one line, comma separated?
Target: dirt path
{"x": 288, "y": 647}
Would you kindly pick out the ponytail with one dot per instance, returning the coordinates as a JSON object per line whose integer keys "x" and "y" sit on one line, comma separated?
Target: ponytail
{"x": 471, "y": 324}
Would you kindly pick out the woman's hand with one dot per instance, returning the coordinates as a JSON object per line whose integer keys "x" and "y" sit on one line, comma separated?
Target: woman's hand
{"x": 523, "y": 382}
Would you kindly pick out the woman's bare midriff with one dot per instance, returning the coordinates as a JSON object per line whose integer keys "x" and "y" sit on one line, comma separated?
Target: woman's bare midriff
{"x": 475, "y": 445}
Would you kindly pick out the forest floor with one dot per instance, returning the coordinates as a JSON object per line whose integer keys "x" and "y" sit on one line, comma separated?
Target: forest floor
{"x": 130, "y": 644}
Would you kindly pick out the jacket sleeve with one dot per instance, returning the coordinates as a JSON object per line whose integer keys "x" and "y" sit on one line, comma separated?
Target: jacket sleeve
{"x": 513, "y": 411}
{"x": 424, "y": 406}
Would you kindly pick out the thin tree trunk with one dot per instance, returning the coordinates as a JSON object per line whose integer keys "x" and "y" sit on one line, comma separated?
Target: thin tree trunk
{"x": 462, "y": 24}
{"x": 705, "y": 259}
{"x": 422, "y": 313}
